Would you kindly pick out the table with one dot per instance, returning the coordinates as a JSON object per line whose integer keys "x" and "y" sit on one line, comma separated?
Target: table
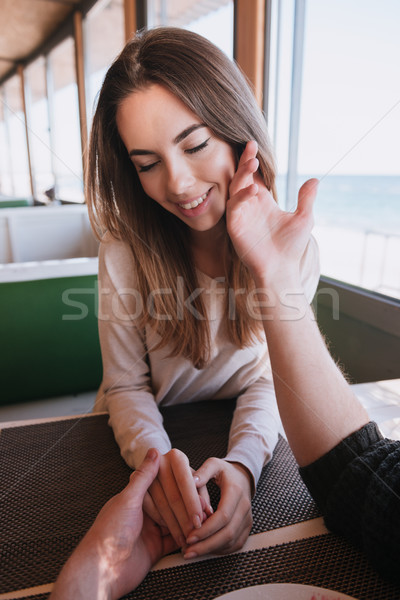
{"x": 56, "y": 476}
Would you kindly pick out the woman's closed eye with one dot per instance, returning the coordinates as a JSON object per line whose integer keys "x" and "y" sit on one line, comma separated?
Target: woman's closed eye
{"x": 197, "y": 148}
{"x": 144, "y": 168}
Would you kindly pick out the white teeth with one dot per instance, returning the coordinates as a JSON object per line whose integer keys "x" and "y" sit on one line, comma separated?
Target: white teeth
{"x": 195, "y": 202}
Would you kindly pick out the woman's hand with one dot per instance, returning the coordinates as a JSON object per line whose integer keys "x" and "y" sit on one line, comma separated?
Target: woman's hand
{"x": 174, "y": 501}
{"x": 268, "y": 240}
{"x": 229, "y": 527}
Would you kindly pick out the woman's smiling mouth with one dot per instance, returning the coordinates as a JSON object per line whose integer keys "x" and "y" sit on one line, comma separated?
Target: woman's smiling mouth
{"x": 195, "y": 203}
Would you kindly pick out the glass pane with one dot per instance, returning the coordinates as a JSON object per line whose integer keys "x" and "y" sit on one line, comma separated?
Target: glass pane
{"x": 280, "y": 73}
{"x": 349, "y": 134}
{"x": 6, "y": 185}
{"x": 104, "y": 39}
{"x": 65, "y": 123}
{"x": 15, "y": 120}
{"x": 211, "y": 18}
{"x": 39, "y": 129}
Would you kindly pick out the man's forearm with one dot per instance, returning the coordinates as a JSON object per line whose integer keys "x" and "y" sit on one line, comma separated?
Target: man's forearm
{"x": 82, "y": 577}
{"x": 317, "y": 407}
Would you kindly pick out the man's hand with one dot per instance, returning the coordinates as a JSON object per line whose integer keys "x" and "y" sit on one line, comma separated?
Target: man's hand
{"x": 173, "y": 499}
{"x": 267, "y": 239}
{"x": 121, "y": 546}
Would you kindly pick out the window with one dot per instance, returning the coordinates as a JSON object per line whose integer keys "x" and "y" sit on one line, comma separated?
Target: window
{"x": 15, "y": 132}
{"x": 342, "y": 126}
{"x": 211, "y": 18}
{"x": 66, "y": 144}
{"x": 39, "y": 129}
{"x": 6, "y": 184}
{"x": 104, "y": 39}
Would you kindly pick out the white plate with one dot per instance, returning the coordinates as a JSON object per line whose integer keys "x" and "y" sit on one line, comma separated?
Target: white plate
{"x": 284, "y": 591}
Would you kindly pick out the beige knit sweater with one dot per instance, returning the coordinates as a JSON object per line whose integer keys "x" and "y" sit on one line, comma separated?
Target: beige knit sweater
{"x": 138, "y": 379}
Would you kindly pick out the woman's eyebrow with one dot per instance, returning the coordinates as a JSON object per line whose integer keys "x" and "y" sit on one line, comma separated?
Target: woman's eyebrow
{"x": 140, "y": 152}
{"x": 179, "y": 138}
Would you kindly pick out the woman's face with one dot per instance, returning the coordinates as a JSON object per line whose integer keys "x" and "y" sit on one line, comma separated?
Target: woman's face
{"x": 180, "y": 162}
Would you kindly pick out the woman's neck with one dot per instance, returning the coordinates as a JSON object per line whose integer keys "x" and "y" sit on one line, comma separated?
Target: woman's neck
{"x": 208, "y": 248}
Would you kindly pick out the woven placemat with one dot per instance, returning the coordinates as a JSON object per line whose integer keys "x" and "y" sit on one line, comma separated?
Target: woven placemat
{"x": 56, "y": 476}
{"x": 325, "y": 561}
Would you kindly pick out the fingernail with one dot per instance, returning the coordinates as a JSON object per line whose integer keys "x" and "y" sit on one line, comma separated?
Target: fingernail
{"x": 210, "y": 508}
{"x": 152, "y": 454}
{"x": 197, "y": 521}
{"x": 190, "y": 555}
{"x": 196, "y": 478}
{"x": 192, "y": 540}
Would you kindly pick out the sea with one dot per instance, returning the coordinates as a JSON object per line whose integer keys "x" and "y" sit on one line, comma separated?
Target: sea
{"x": 357, "y": 227}
{"x": 361, "y": 202}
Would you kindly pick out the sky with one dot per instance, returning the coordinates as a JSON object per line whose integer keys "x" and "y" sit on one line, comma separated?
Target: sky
{"x": 350, "y": 102}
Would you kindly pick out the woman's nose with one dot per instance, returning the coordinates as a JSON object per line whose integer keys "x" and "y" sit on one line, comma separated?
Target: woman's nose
{"x": 179, "y": 178}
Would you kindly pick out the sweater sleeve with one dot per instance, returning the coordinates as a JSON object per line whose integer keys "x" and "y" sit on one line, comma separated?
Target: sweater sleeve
{"x": 357, "y": 487}
{"x": 255, "y": 426}
{"x": 126, "y": 391}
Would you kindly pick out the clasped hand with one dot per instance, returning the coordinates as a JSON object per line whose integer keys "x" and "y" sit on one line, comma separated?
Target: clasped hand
{"x": 178, "y": 499}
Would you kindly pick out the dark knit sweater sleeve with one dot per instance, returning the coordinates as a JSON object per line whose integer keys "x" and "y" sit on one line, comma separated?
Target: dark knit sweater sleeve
{"x": 357, "y": 487}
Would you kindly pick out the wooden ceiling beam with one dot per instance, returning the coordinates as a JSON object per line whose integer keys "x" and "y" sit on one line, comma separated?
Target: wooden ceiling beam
{"x": 80, "y": 79}
{"x": 71, "y": 3}
{"x": 249, "y": 49}
{"x": 130, "y": 18}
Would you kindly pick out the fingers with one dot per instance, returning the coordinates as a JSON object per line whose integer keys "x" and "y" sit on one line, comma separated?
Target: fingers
{"x": 151, "y": 531}
{"x": 205, "y": 501}
{"x": 231, "y": 533}
{"x": 182, "y": 472}
{"x": 143, "y": 476}
{"x": 307, "y": 195}
{"x": 227, "y": 529}
{"x": 167, "y": 515}
{"x": 243, "y": 177}
{"x": 176, "y": 479}
{"x": 247, "y": 166}
{"x": 175, "y": 496}
{"x": 233, "y": 207}
{"x": 208, "y": 470}
{"x": 152, "y": 511}
{"x": 249, "y": 152}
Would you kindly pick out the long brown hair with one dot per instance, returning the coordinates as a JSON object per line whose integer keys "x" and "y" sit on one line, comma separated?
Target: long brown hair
{"x": 213, "y": 88}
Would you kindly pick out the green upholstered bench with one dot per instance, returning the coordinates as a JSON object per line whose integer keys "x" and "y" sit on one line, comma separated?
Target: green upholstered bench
{"x": 11, "y": 202}
{"x": 49, "y": 342}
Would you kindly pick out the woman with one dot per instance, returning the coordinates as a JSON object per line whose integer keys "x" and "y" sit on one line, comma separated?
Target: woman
{"x": 179, "y": 320}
